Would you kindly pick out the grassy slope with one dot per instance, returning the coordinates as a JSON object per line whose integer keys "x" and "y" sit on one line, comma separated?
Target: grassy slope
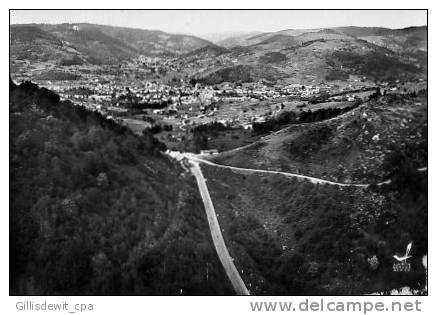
{"x": 294, "y": 238}
{"x": 343, "y": 148}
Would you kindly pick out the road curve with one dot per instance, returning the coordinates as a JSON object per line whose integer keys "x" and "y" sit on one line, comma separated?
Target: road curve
{"x": 313, "y": 180}
{"x": 217, "y": 237}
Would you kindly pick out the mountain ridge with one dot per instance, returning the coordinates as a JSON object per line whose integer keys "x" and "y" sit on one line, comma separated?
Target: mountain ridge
{"x": 96, "y": 43}
{"x": 320, "y": 53}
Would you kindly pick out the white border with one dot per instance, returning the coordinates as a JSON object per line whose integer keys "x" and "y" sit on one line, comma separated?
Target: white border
{"x": 203, "y": 305}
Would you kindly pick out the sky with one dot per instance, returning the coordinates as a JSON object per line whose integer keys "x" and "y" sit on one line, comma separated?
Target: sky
{"x": 200, "y": 22}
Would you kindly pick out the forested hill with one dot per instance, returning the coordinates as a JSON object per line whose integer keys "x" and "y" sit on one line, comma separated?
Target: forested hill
{"x": 95, "y": 44}
{"x": 95, "y": 209}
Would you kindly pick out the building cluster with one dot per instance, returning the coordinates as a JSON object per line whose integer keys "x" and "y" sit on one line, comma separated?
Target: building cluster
{"x": 143, "y": 88}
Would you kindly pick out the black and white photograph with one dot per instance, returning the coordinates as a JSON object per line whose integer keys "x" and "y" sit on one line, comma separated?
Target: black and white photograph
{"x": 218, "y": 152}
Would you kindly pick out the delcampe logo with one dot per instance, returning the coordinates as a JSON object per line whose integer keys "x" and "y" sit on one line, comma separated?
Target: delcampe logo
{"x": 402, "y": 265}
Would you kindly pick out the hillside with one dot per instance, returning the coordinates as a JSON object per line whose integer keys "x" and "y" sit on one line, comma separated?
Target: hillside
{"x": 292, "y": 237}
{"x": 96, "y": 210}
{"x": 316, "y": 55}
{"x": 95, "y": 43}
{"x": 409, "y": 38}
{"x": 288, "y": 56}
{"x": 226, "y": 39}
{"x": 243, "y": 73}
{"x": 352, "y": 147}
{"x": 207, "y": 51}
{"x": 412, "y": 35}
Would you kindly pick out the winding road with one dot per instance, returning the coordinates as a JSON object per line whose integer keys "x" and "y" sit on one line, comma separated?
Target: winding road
{"x": 313, "y": 180}
{"x": 217, "y": 237}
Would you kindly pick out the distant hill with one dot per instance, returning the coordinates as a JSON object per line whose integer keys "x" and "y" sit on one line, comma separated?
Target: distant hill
{"x": 292, "y": 55}
{"x": 301, "y": 55}
{"x": 221, "y": 38}
{"x": 95, "y": 43}
{"x": 405, "y": 39}
{"x": 207, "y": 51}
{"x": 97, "y": 210}
{"x": 353, "y": 31}
{"x": 236, "y": 40}
{"x": 243, "y": 73}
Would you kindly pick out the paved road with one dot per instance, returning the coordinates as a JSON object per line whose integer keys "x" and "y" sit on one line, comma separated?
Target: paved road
{"x": 313, "y": 180}
{"x": 217, "y": 237}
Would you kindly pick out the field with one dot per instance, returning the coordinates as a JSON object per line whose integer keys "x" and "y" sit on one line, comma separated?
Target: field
{"x": 136, "y": 125}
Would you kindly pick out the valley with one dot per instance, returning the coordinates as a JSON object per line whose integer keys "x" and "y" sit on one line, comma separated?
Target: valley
{"x": 292, "y": 162}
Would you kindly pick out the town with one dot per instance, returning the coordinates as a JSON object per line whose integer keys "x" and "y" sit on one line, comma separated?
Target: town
{"x": 152, "y": 93}
{"x": 155, "y": 158}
